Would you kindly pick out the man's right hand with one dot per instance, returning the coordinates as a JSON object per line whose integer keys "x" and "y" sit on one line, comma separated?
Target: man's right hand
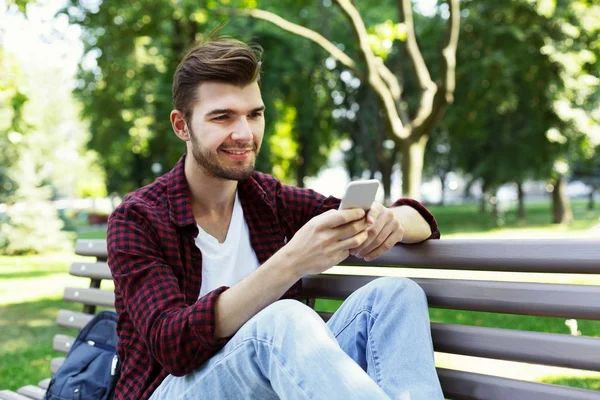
{"x": 326, "y": 240}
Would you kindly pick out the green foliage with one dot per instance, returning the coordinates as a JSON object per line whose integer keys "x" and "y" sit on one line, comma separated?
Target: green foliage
{"x": 31, "y": 133}
{"x": 522, "y": 107}
{"x": 132, "y": 51}
{"x": 20, "y": 4}
{"x": 382, "y": 37}
{"x": 32, "y": 228}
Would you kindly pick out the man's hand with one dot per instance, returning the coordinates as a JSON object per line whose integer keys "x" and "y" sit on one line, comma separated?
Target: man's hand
{"x": 326, "y": 240}
{"x": 385, "y": 231}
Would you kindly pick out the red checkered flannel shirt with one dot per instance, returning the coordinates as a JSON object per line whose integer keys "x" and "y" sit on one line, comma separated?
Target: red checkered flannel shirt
{"x": 157, "y": 269}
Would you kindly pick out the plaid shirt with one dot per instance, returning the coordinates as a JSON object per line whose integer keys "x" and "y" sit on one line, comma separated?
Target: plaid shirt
{"x": 157, "y": 269}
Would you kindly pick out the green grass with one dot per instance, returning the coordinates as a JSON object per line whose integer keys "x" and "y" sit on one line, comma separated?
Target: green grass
{"x": 31, "y": 289}
{"x": 27, "y": 332}
{"x": 467, "y": 220}
{"x": 584, "y": 383}
{"x": 97, "y": 233}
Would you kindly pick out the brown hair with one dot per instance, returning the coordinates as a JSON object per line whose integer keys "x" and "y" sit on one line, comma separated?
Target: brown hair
{"x": 224, "y": 60}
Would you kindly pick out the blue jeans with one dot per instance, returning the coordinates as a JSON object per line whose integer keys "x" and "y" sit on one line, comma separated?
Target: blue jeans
{"x": 376, "y": 346}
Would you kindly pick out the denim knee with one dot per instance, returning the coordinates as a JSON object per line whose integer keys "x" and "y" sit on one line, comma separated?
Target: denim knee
{"x": 398, "y": 287}
{"x": 286, "y": 313}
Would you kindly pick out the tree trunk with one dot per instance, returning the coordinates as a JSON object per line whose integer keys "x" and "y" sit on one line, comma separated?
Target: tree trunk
{"x": 443, "y": 185}
{"x": 412, "y": 167}
{"x": 386, "y": 180}
{"x": 483, "y": 201}
{"x": 591, "y": 199}
{"x": 495, "y": 206}
{"x": 561, "y": 205}
{"x": 522, "y": 214}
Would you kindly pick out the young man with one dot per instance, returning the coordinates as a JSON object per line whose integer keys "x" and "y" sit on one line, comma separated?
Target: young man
{"x": 207, "y": 263}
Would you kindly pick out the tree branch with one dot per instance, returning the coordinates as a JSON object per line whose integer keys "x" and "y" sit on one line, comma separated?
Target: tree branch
{"x": 406, "y": 16}
{"x": 428, "y": 87}
{"x": 300, "y": 31}
{"x": 445, "y": 93}
{"x": 381, "y": 83}
{"x": 449, "y": 50}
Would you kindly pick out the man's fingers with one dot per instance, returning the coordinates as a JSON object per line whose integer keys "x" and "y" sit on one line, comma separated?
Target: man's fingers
{"x": 335, "y": 218}
{"x": 377, "y": 234}
{"x": 352, "y": 242}
{"x": 374, "y": 212}
{"x": 351, "y": 229}
{"x": 375, "y": 242}
{"x": 387, "y": 244}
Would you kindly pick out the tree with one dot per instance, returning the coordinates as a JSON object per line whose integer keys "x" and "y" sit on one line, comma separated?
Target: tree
{"x": 588, "y": 172}
{"x": 131, "y": 53}
{"x": 410, "y": 129}
{"x": 30, "y": 223}
{"x": 507, "y": 124}
{"x": 43, "y": 148}
{"x": 440, "y": 160}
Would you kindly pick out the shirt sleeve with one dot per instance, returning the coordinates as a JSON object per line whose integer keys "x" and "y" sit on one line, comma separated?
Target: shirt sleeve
{"x": 425, "y": 213}
{"x": 179, "y": 336}
{"x": 301, "y": 205}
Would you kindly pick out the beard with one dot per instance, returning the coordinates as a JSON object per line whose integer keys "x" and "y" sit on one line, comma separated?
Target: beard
{"x": 209, "y": 161}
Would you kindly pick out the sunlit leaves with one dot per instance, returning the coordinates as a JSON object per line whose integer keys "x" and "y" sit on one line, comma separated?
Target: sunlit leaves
{"x": 383, "y": 35}
{"x": 282, "y": 143}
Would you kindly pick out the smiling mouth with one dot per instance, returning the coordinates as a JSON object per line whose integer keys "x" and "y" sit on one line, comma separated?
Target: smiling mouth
{"x": 237, "y": 152}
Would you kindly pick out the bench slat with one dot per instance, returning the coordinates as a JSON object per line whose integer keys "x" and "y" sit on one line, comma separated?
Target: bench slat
{"x": 98, "y": 270}
{"x": 553, "y": 349}
{"x": 33, "y": 392}
{"x": 542, "y": 299}
{"x": 72, "y": 319}
{"x": 56, "y": 363}
{"x": 92, "y": 247}
{"x": 559, "y": 350}
{"x": 9, "y": 395}
{"x": 553, "y": 300}
{"x": 62, "y": 343}
{"x": 526, "y": 255}
{"x": 95, "y": 297}
{"x": 460, "y": 385}
{"x": 45, "y": 383}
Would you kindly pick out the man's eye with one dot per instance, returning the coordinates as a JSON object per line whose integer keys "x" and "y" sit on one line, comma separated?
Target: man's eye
{"x": 221, "y": 118}
{"x": 257, "y": 114}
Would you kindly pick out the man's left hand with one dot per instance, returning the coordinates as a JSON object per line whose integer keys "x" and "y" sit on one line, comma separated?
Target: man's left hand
{"x": 385, "y": 231}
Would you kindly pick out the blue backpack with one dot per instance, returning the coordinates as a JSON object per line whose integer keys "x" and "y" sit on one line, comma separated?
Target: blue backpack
{"x": 90, "y": 370}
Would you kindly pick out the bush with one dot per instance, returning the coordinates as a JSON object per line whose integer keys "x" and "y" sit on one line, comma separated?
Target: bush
{"x": 33, "y": 227}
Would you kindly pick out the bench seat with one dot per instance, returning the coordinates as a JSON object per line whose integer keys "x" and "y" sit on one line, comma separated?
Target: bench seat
{"x": 564, "y": 300}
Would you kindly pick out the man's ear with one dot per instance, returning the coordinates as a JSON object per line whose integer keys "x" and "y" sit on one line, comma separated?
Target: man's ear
{"x": 179, "y": 125}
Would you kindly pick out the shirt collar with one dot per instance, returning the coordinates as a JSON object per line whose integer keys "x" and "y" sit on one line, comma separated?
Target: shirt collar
{"x": 178, "y": 194}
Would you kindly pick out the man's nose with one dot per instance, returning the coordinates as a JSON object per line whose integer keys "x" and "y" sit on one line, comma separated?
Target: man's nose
{"x": 243, "y": 130}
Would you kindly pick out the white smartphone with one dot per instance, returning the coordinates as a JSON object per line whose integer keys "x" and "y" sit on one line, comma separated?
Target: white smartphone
{"x": 360, "y": 194}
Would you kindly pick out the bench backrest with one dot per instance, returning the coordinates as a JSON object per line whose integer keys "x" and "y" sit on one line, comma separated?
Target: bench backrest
{"x": 574, "y": 256}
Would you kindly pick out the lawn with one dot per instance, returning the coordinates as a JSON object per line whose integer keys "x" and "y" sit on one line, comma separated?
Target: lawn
{"x": 31, "y": 290}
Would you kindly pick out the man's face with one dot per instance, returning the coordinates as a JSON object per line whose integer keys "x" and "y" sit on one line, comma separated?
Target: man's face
{"x": 226, "y": 129}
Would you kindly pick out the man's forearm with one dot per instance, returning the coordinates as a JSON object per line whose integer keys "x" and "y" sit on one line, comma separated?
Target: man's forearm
{"x": 244, "y": 300}
{"x": 416, "y": 229}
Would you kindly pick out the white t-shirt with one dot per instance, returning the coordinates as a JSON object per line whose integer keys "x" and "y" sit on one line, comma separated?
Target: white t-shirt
{"x": 227, "y": 263}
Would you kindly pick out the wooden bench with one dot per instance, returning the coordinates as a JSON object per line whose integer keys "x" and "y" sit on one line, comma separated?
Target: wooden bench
{"x": 496, "y": 296}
